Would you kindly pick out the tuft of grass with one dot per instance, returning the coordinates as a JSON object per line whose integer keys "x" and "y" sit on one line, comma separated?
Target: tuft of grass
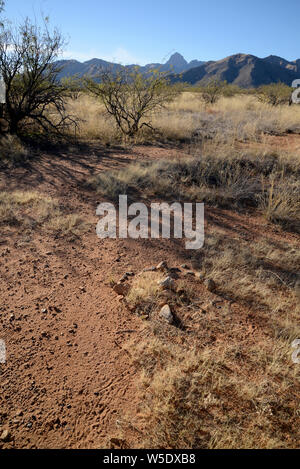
{"x": 67, "y": 224}
{"x": 32, "y": 210}
{"x": 12, "y": 151}
{"x": 144, "y": 293}
{"x": 280, "y": 202}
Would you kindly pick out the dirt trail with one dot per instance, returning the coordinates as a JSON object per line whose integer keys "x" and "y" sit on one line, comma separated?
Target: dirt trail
{"x": 66, "y": 378}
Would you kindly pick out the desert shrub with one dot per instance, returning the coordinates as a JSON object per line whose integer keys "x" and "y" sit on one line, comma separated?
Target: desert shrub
{"x": 274, "y": 94}
{"x": 131, "y": 98}
{"x": 211, "y": 92}
{"x": 229, "y": 90}
{"x": 215, "y": 180}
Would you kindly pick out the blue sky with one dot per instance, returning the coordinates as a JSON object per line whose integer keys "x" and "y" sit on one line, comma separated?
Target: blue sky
{"x": 136, "y": 31}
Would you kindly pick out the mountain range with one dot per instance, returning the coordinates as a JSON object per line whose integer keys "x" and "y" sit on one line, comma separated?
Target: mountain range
{"x": 244, "y": 70}
{"x": 175, "y": 65}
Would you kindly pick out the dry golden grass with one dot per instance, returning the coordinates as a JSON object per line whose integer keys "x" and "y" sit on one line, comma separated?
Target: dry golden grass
{"x": 12, "y": 150}
{"x": 144, "y": 292}
{"x": 94, "y": 123}
{"x": 241, "y": 117}
{"x": 268, "y": 182}
{"x": 237, "y": 391}
{"x": 31, "y": 210}
{"x": 229, "y": 394}
{"x": 280, "y": 201}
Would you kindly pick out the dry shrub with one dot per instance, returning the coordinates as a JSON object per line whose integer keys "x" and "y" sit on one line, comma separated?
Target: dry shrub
{"x": 238, "y": 180}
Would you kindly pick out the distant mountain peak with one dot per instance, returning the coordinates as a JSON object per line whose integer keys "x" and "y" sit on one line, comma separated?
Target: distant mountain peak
{"x": 177, "y": 58}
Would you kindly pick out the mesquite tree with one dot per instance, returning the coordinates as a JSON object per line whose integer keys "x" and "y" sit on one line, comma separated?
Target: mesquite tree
{"x": 27, "y": 65}
{"x": 131, "y": 97}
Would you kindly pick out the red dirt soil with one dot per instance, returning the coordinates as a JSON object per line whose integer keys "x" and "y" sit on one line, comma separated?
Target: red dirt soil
{"x": 67, "y": 378}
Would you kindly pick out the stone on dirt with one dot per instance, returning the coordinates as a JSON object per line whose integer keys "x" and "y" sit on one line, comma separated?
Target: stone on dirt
{"x": 121, "y": 289}
{"x": 165, "y": 313}
{"x": 162, "y": 266}
{"x": 210, "y": 285}
{"x": 167, "y": 283}
{"x": 5, "y": 435}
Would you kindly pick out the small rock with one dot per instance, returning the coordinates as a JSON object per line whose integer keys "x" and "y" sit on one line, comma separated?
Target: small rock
{"x": 165, "y": 313}
{"x": 149, "y": 269}
{"x": 210, "y": 285}
{"x": 121, "y": 289}
{"x": 124, "y": 278}
{"x": 173, "y": 274}
{"x": 184, "y": 266}
{"x": 5, "y": 435}
{"x": 167, "y": 283}
{"x": 130, "y": 274}
{"x": 162, "y": 266}
{"x": 44, "y": 311}
{"x": 189, "y": 273}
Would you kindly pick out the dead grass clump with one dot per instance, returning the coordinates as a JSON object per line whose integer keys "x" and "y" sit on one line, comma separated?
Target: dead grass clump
{"x": 12, "y": 151}
{"x": 26, "y": 208}
{"x": 280, "y": 201}
{"x": 144, "y": 293}
{"x": 31, "y": 210}
{"x": 207, "y": 399}
{"x": 255, "y": 273}
{"x": 67, "y": 224}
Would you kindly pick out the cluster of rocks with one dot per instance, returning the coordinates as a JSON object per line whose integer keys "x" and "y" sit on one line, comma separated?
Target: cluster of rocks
{"x": 167, "y": 284}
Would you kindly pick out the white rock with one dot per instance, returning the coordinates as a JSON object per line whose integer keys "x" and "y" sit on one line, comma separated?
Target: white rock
{"x": 165, "y": 313}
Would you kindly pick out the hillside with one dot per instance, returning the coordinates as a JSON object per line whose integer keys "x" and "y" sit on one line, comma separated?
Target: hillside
{"x": 244, "y": 70}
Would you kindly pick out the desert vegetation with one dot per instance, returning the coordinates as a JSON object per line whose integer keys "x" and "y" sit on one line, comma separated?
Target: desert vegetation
{"x": 199, "y": 343}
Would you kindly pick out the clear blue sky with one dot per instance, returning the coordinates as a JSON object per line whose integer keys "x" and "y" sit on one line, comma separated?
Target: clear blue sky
{"x": 137, "y": 31}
